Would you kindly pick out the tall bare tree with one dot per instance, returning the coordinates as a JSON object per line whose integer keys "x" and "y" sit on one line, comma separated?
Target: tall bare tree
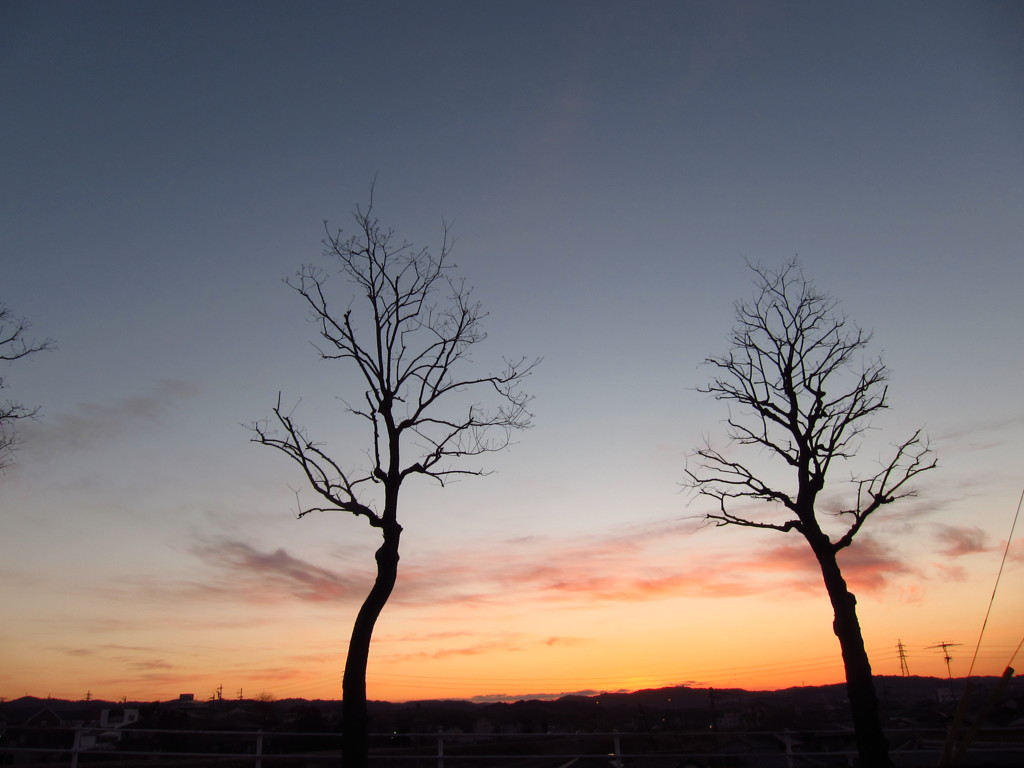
{"x": 14, "y": 346}
{"x": 409, "y": 332}
{"x": 806, "y": 394}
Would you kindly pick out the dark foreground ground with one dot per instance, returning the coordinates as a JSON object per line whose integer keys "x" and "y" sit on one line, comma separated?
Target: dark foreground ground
{"x": 664, "y": 728}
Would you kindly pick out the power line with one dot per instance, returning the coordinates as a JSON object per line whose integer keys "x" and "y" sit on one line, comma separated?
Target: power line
{"x": 1014, "y": 656}
{"x": 999, "y": 575}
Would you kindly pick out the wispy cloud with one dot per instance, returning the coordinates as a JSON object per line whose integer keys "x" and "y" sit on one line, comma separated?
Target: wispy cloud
{"x": 76, "y": 651}
{"x": 620, "y": 566}
{"x": 133, "y": 648}
{"x": 137, "y": 680}
{"x": 570, "y": 641}
{"x": 276, "y": 674}
{"x": 233, "y": 570}
{"x": 242, "y": 571}
{"x": 956, "y": 541}
{"x": 870, "y": 566}
{"x": 948, "y": 572}
{"x": 623, "y": 568}
{"x": 136, "y": 661}
{"x": 502, "y": 644}
{"x": 92, "y": 423}
{"x": 148, "y": 664}
{"x": 1016, "y": 551}
{"x": 981, "y": 435}
{"x": 474, "y": 644}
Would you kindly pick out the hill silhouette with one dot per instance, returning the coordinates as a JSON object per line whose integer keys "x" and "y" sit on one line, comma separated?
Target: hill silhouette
{"x": 922, "y": 700}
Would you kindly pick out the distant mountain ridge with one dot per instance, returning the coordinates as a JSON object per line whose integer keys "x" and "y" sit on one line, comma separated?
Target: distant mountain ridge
{"x": 676, "y": 706}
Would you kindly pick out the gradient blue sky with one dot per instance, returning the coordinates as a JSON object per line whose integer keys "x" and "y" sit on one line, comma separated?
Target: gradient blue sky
{"x": 608, "y": 169}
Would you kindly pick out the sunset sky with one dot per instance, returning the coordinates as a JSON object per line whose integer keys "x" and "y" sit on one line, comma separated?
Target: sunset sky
{"x": 608, "y": 169}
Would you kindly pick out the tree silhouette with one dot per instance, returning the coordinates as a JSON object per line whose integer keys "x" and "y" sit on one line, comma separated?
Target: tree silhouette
{"x": 806, "y": 395}
{"x": 14, "y": 346}
{"x": 409, "y": 332}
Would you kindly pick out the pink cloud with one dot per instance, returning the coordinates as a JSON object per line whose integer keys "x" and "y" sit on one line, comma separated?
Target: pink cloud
{"x": 957, "y": 541}
{"x": 620, "y": 568}
{"x": 571, "y": 641}
{"x": 1016, "y": 553}
{"x": 617, "y": 567}
{"x": 789, "y": 565}
{"x": 869, "y": 566}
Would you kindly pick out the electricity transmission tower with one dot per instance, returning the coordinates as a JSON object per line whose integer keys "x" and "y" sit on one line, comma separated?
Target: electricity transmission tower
{"x": 904, "y": 669}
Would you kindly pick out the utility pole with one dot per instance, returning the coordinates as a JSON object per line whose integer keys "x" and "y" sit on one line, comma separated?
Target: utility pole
{"x": 945, "y": 646}
{"x": 904, "y": 669}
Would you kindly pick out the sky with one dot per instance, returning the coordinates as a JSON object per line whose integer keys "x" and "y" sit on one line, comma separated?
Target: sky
{"x": 609, "y": 170}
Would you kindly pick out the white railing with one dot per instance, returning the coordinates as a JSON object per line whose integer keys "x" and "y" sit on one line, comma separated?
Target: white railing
{"x": 92, "y": 746}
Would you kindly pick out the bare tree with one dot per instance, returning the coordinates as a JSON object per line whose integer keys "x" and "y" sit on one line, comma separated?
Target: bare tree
{"x": 14, "y": 346}
{"x": 409, "y": 333}
{"x": 807, "y": 395}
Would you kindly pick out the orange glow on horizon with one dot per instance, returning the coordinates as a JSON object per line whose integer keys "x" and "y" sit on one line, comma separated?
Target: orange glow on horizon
{"x": 538, "y": 674}
{"x": 619, "y": 611}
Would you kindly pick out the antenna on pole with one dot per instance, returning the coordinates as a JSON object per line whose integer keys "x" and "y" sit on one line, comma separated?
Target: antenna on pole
{"x": 945, "y": 646}
{"x": 904, "y": 669}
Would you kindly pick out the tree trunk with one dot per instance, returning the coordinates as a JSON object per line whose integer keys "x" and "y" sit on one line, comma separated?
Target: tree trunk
{"x": 872, "y": 745}
{"x": 355, "y": 752}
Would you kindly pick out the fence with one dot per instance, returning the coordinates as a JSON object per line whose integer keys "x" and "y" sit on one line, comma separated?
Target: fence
{"x": 92, "y": 747}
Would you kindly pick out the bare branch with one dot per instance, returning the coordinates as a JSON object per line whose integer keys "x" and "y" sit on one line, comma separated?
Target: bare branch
{"x": 324, "y": 475}
{"x": 409, "y": 330}
{"x": 718, "y": 478}
{"x": 913, "y": 457}
{"x": 14, "y": 345}
{"x": 793, "y": 371}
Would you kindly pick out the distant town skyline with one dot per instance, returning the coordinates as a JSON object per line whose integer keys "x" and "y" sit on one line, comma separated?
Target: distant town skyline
{"x": 608, "y": 172}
